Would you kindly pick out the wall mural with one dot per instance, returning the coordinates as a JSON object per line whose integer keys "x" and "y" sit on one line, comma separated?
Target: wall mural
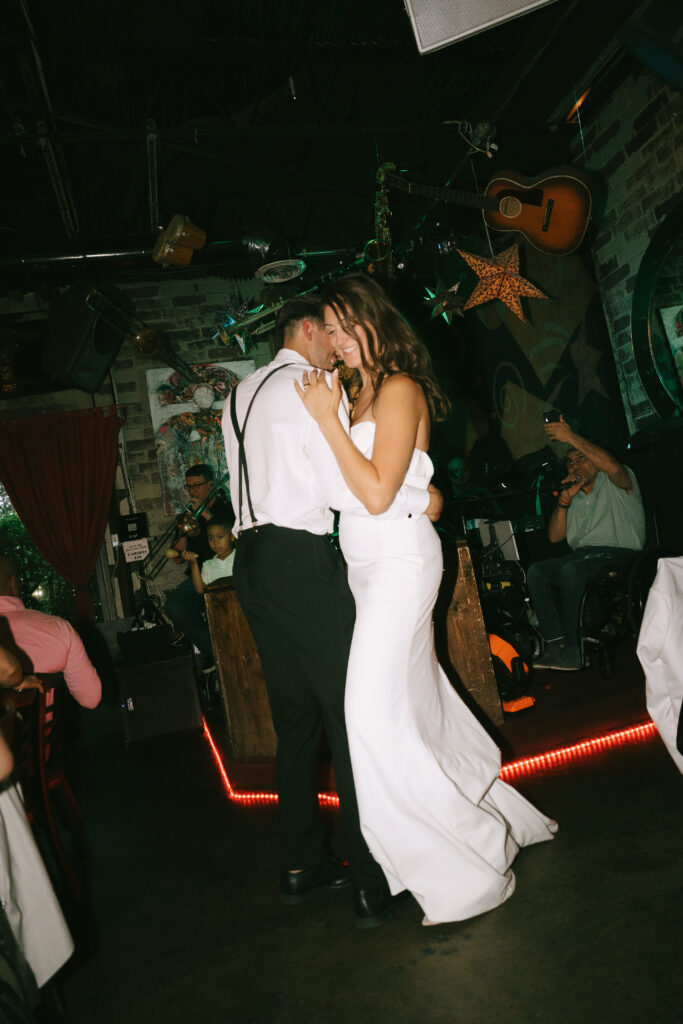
{"x": 560, "y": 360}
{"x": 187, "y": 422}
{"x": 504, "y": 373}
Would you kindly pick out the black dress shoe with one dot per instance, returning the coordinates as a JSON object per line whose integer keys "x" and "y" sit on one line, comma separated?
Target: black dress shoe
{"x": 297, "y": 886}
{"x": 372, "y": 907}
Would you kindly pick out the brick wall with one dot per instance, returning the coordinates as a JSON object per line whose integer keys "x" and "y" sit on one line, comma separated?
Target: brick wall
{"x": 634, "y": 143}
{"x": 184, "y": 311}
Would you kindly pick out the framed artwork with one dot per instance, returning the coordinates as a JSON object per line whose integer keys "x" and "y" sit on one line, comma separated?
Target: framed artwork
{"x": 187, "y": 423}
{"x": 672, "y": 322}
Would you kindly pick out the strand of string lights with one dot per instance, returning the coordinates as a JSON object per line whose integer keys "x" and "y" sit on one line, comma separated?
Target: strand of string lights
{"x": 558, "y": 758}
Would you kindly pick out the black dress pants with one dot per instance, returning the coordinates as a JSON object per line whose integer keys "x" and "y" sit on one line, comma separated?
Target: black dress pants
{"x": 293, "y": 591}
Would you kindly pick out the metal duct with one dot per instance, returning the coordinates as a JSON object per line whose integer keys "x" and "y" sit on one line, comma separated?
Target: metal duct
{"x": 253, "y": 245}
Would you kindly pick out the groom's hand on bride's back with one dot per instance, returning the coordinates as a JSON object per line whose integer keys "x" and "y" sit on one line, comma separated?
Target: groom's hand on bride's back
{"x": 435, "y": 506}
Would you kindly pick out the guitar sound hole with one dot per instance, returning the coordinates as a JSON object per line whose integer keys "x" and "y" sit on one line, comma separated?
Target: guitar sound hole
{"x": 510, "y": 206}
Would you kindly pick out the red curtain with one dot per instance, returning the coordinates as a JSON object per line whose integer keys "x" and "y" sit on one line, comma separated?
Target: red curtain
{"x": 59, "y": 473}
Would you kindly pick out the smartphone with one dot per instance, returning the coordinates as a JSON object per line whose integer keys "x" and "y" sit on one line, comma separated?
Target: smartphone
{"x": 550, "y": 416}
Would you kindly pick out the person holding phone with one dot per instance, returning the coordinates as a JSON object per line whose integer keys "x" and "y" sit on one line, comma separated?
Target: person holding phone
{"x": 599, "y": 512}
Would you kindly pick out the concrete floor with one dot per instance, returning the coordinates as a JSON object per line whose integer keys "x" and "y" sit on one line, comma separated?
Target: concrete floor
{"x": 191, "y": 928}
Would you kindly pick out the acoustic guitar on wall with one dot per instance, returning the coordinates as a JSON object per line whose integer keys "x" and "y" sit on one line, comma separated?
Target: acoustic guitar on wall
{"x": 551, "y": 211}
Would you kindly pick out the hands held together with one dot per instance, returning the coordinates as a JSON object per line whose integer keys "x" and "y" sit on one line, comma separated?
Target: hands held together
{"x": 320, "y": 399}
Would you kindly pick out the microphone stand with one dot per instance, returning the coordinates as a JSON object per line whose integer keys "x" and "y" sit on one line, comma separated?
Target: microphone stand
{"x": 497, "y": 495}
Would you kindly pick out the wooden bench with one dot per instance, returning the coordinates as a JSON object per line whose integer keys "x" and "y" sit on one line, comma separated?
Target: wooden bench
{"x": 468, "y": 643}
{"x": 247, "y": 711}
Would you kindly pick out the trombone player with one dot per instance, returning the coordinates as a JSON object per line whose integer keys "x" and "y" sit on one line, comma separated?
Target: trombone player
{"x": 184, "y": 606}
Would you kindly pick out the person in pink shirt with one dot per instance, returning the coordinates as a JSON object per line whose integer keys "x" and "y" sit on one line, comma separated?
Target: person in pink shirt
{"x": 32, "y": 919}
{"x": 44, "y": 643}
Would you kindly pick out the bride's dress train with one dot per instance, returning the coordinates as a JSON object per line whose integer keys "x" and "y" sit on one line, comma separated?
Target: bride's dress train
{"x": 433, "y": 811}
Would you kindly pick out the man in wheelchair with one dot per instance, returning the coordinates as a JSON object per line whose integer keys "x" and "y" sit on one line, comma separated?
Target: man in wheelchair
{"x": 599, "y": 512}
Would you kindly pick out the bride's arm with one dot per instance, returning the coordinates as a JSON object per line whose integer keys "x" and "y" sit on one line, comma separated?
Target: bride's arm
{"x": 398, "y": 406}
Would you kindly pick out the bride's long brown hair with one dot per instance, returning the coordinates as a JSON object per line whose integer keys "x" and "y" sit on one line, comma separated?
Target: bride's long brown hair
{"x": 392, "y": 343}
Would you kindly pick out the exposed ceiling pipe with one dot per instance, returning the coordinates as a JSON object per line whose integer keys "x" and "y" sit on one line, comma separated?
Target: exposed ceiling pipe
{"x": 53, "y": 154}
{"x": 153, "y": 175}
{"x": 254, "y": 247}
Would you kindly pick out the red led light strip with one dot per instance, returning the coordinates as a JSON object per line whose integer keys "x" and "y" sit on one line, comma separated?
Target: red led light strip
{"x": 511, "y": 770}
{"x": 586, "y": 748}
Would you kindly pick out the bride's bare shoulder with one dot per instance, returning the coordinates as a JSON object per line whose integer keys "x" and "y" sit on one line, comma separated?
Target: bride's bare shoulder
{"x": 400, "y": 386}
{"x": 400, "y": 389}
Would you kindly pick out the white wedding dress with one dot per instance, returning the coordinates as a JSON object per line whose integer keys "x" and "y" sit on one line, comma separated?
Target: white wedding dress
{"x": 433, "y": 811}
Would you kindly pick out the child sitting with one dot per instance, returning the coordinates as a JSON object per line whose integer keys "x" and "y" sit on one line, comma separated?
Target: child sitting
{"x": 218, "y": 568}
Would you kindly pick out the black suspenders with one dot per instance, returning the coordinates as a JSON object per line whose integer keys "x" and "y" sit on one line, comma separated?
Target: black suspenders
{"x": 243, "y": 473}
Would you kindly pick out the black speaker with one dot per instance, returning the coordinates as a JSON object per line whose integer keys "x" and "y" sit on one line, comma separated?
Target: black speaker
{"x": 144, "y": 646}
{"x": 159, "y": 698}
{"x": 85, "y": 330}
{"x": 439, "y": 23}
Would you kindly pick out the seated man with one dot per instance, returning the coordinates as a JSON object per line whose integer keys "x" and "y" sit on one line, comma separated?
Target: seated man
{"x": 600, "y": 514}
{"x": 184, "y": 606}
{"x": 461, "y": 480}
{"x": 44, "y": 643}
{"x": 467, "y": 500}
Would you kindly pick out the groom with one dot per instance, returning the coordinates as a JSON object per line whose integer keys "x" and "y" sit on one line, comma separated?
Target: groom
{"x": 292, "y": 587}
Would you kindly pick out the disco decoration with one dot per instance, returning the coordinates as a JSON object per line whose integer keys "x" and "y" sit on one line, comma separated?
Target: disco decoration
{"x": 499, "y": 278}
{"x": 229, "y": 321}
{"x": 445, "y": 302}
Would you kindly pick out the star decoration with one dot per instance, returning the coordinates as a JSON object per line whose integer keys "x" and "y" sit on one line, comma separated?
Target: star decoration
{"x": 500, "y": 279}
{"x": 445, "y": 302}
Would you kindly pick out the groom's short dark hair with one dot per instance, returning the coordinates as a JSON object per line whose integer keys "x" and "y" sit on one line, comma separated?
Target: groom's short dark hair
{"x": 303, "y": 307}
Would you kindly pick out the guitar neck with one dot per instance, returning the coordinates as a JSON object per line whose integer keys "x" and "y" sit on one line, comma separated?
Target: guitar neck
{"x": 448, "y": 195}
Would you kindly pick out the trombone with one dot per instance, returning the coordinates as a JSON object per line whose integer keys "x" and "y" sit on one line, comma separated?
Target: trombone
{"x": 185, "y": 525}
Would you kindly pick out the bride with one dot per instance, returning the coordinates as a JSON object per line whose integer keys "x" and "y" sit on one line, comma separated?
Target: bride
{"x": 433, "y": 811}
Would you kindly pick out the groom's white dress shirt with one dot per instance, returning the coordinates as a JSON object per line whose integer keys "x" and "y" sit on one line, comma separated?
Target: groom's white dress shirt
{"x": 294, "y": 479}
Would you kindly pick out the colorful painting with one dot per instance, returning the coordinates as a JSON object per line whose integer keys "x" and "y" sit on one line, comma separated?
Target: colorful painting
{"x": 672, "y": 320}
{"x": 187, "y": 423}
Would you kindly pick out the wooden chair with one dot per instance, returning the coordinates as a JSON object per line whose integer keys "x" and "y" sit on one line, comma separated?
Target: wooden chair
{"x": 17, "y": 714}
{"x": 35, "y": 726}
{"x": 51, "y": 730}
